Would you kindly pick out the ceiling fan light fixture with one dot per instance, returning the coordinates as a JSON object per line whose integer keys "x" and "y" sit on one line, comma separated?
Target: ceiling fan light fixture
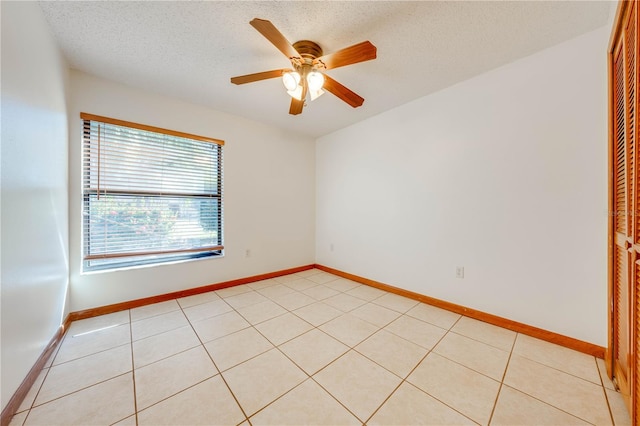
{"x": 291, "y": 80}
{"x": 315, "y": 80}
{"x": 308, "y": 64}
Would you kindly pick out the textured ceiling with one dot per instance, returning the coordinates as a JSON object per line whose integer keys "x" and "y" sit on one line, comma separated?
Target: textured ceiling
{"x": 189, "y": 50}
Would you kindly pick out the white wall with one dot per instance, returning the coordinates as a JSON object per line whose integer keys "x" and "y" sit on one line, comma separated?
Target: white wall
{"x": 269, "y": 204}
{"x": 504, "y": 174}
{"x": 34, "y": 225}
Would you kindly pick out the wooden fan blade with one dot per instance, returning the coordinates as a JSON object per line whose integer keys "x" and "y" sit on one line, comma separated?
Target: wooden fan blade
{"x": 271, "y": 33}
{"x": 342, "y": 92}
{"x": 297, "y": 105}
{"x": 250, "y": 78}
{"x": 360, "y": 52}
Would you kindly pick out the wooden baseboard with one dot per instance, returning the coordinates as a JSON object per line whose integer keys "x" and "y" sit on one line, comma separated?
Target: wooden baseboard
{"x": 116, "y": 307}
{"x": 20, "y": 394}
{"x": 549, "y": 336}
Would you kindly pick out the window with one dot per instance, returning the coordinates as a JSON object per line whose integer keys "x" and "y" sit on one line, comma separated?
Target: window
{"x": 150, "y": 195}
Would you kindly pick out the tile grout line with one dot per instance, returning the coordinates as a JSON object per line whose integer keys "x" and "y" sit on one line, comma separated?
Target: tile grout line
{"x": 450, "y": 330}
{"x": 91, "y": 354}
{"x": 53, "y": 357}
{"x": 504, "y": 374}
{"x": 175, "y": 394}
{"x": 427, "y": 323}
{"x": 252, "y": 325}
{"x": 431, "y": 351}
{"x": 480, "y": 341}
{"x": 166, "y": 357}
{"x": 309, "y": 376}
{"x": 604, "y": 390}
{"x": 158, "y": 333}
{"x": 534, "y": 397}
{"x": 404, "y": 380}
{"x": 277, "y": 347}
{"x": 400, "y": 337}
{"x": 293, "y": 291}
{"x": 133, "y": 370}
{"x": 215, "y": 365}
{"x": 32, "y": 405}
{"x": 285, "y": 355}
{"x": 467, "y": 367}
{"x": 550, "y": 405}
{"x": 330, "y": 394}
{"x": 131, "y": 320}
{"x": 559, "y": 370}
{"x": 77, "y": 391}
{"x": 177, "y": 353}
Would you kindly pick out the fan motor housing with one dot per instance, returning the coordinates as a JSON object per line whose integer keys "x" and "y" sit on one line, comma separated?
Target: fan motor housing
{"x": 308, "y": 49}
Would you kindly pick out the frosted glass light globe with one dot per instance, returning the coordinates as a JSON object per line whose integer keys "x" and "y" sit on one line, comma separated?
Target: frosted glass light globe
{"x": 315, "y": 81}
{"x": 291, "y": 80}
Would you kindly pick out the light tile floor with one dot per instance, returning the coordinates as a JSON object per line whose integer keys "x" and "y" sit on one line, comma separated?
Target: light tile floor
{"x": 312, "y": 348}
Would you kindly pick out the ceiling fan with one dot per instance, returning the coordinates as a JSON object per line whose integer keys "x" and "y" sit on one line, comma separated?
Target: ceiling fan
{"x": 308, "y": 62}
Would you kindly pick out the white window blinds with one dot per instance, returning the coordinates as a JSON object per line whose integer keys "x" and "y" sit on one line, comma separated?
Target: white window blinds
{"x": 150, "y": 195}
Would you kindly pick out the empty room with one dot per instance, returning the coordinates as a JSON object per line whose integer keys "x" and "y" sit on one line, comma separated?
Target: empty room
{"x": 319, "y": 213}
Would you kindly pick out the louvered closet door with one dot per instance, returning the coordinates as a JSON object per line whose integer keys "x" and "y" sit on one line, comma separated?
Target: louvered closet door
{"x": 633, "y": 194}
{"x": 632, "y": 403}
{"x": 621, "y": 293}
{"x": 633, "y": 191}
{"x": 625, "y": 202}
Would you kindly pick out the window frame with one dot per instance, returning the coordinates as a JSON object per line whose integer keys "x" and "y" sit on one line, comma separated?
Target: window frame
{"x": 150, "y": 257}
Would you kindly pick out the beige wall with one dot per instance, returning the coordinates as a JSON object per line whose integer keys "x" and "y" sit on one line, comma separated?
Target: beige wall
{"x": 504, "y": 174}
{"x": 34, "y": 230}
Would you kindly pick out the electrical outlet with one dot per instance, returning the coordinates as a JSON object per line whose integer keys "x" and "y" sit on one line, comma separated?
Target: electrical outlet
{"x": 247, "y": 253}
{"x": 331, "y": 247}
{"x": 459, "y": 271}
